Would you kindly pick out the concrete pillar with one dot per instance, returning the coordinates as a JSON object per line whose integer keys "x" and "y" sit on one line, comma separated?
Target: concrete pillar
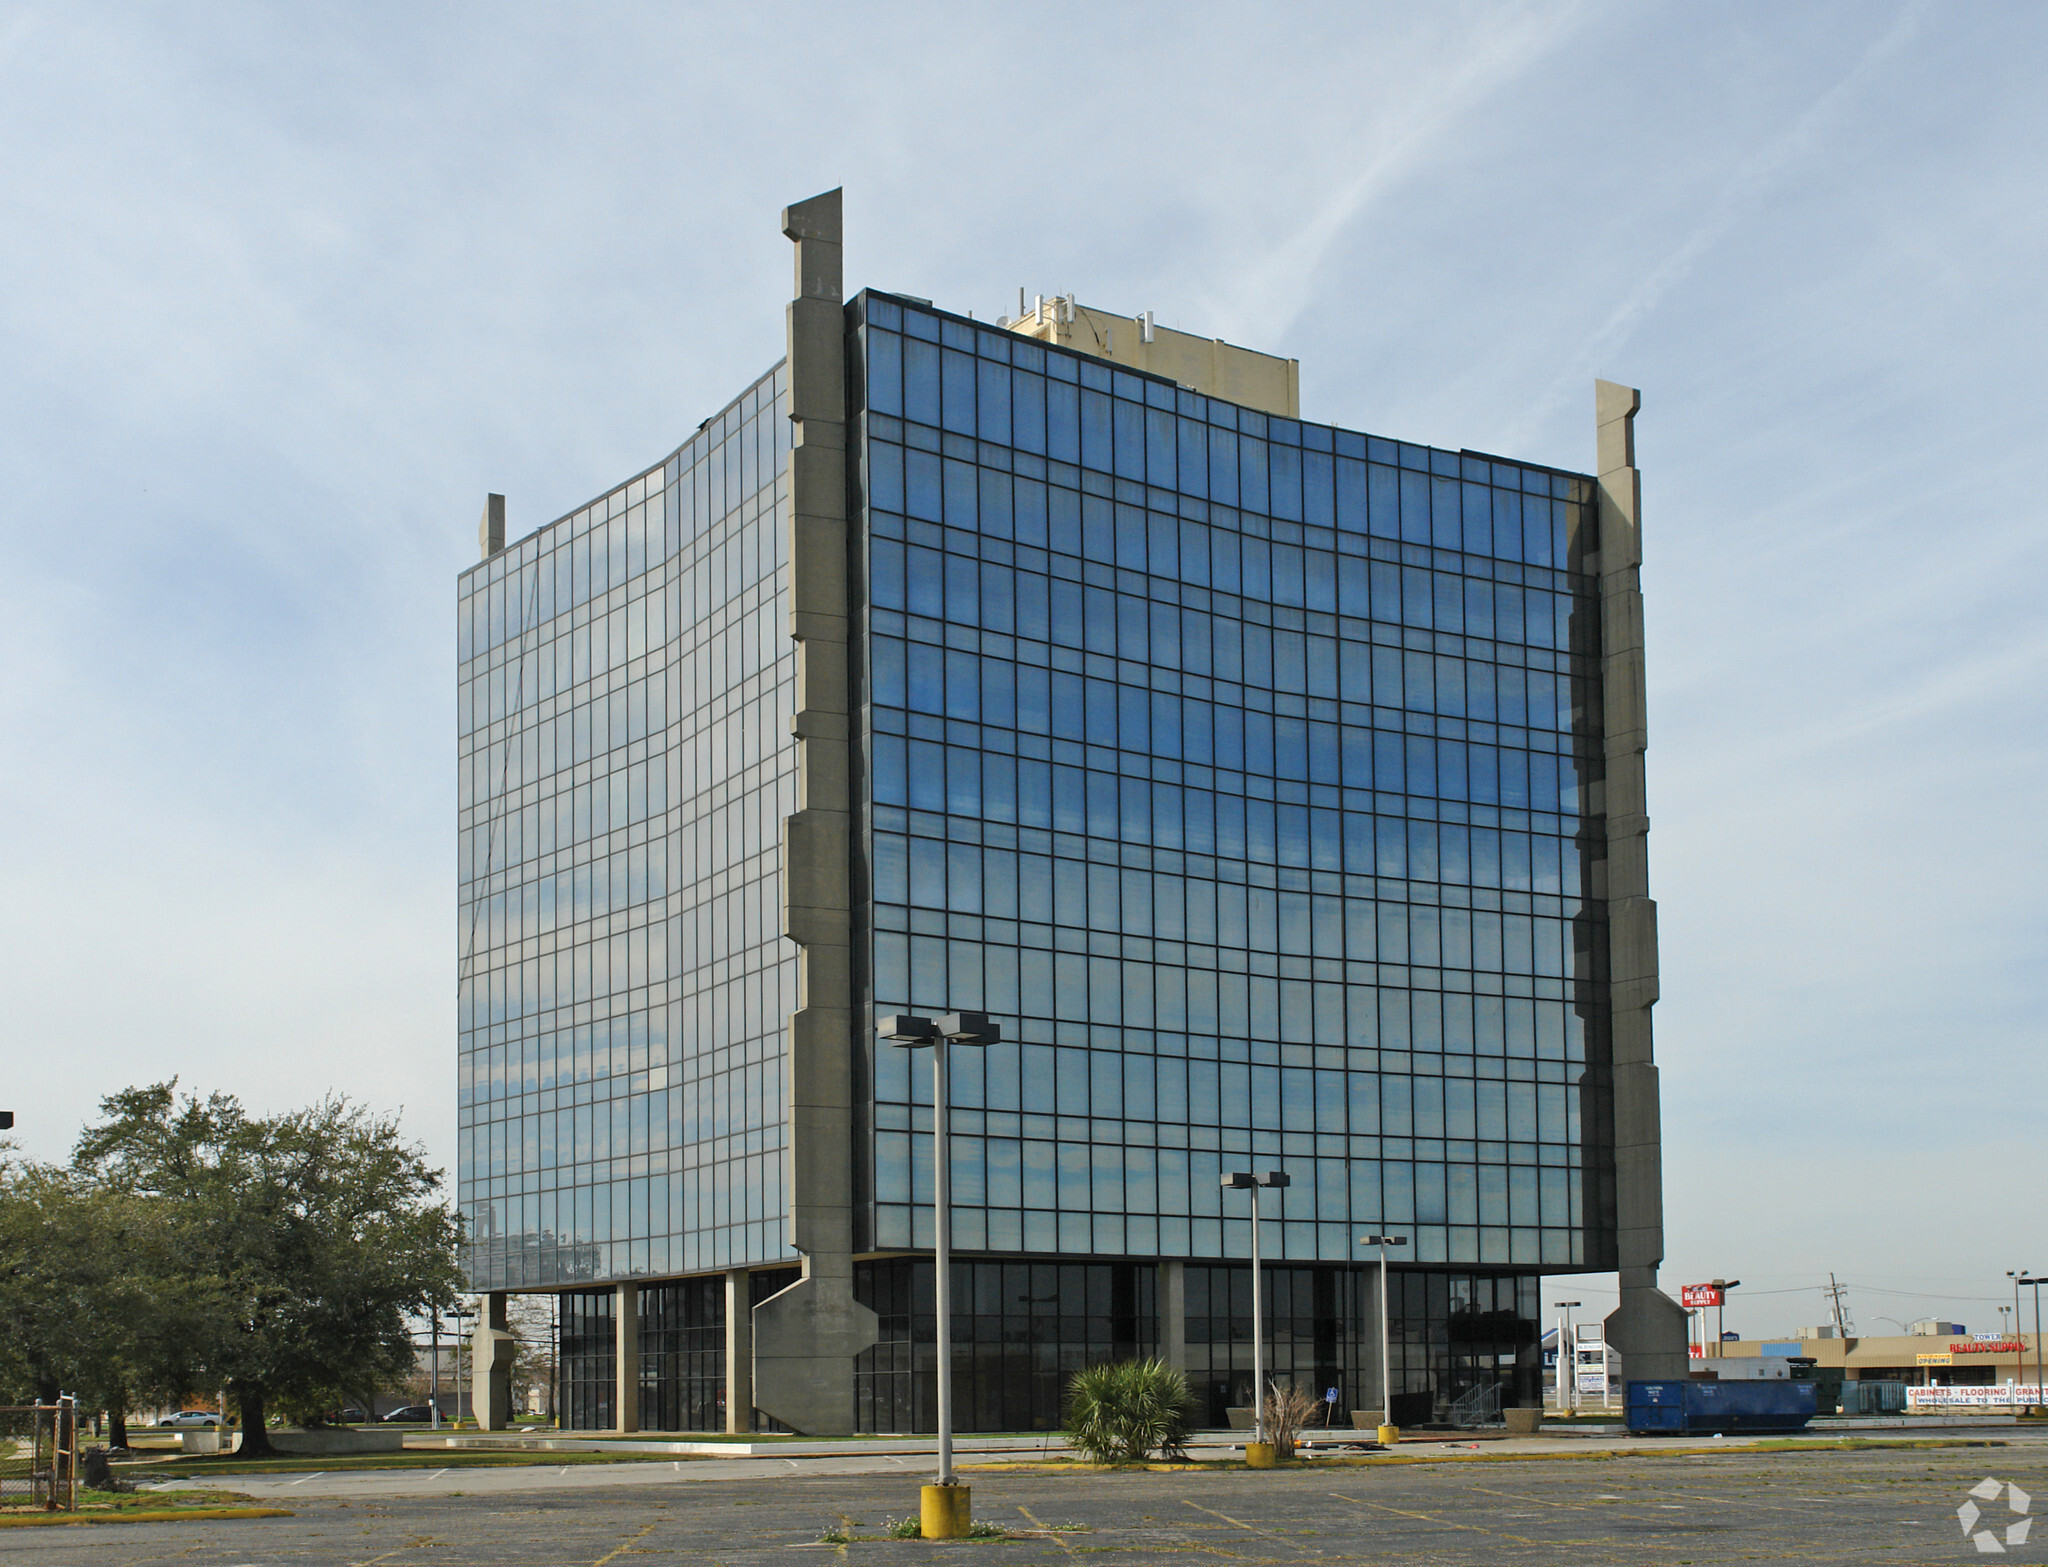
{"x": 806, "y": 1337}
{"x": 492, "y": 1349}
{"x": 490, "y": 531}
{"x": 739, "y": 1352}
{"x": 1173, "y": 1314}
{"x": 626, "y": 1355}
{"x": 1647, "y": 1327}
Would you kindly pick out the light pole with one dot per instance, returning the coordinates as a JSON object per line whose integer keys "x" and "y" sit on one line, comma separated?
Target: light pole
{"x": 1564, "y": 1332}
{"x": 2015, "y": 1274}
{"x": 1721, "y": 1289}
{"x": 2040, "y": 1394}
{"x": 1386, "y": 1359}
{"x": 1244, "y": 1180}
{"x": 434, "y": 1399}
{"x": 942, "y": 1516}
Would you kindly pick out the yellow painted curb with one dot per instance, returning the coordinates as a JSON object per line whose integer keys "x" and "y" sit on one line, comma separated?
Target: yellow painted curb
{"x": 143, "y": 1515}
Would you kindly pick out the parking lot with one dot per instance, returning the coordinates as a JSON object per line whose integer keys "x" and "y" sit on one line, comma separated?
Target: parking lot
{"x": 1893, "y": 1505}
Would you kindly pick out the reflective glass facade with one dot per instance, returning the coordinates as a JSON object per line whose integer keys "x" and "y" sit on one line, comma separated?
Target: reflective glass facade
{"x": 624, "y": 766}
{"x": 1247, "y": 770}
{"x": 1240, "y": 766}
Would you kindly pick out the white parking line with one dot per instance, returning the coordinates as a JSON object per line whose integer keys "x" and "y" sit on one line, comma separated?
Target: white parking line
{"x": 304, "y": 1478}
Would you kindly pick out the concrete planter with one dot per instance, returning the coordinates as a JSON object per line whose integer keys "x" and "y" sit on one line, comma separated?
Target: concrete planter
{"x": 1523, "y": 1422}
{"x": 339, "y": 1439}
{"x": 1240, "y": 1419}
{"x": 207, "y": 1439}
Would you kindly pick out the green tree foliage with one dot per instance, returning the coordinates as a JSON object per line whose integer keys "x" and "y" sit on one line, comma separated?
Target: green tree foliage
{"x": 1125, "y": 1411}
{"x": 310, "y": 1235}
{"x": 92, "y": 1299}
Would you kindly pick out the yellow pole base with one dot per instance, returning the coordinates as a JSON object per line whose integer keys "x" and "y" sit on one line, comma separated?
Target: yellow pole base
{"x": 1261, "y": 1455}
{"x": 1389, "y": 1435}
{"x": 945, "y": 1512}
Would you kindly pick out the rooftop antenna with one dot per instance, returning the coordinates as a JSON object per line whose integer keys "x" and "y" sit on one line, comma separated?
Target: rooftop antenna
{"x": 1020, "y": 299}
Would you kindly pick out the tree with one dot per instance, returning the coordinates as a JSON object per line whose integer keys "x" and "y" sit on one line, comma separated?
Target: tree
{"x": 314, "y": 1235}
{"x": 92, "y": 1299}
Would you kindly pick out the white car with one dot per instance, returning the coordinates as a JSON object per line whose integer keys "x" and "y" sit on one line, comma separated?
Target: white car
{"x": 190, "y": 1417}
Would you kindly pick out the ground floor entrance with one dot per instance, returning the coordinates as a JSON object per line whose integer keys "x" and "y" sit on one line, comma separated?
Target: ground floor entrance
{"x": 1458, "y": 1343}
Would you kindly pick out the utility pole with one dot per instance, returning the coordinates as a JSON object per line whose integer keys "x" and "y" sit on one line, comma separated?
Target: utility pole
{"x": 1835, "y": 1292}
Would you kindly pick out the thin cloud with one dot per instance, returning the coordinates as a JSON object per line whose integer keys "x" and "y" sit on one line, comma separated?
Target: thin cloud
{"x": 1268, "y": 297}
{"x": 1751, "y": 181}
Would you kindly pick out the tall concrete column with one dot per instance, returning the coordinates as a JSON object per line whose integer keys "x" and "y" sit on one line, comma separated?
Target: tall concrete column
{"x": 626, "y": 1357}
{"x": 739, "y": 1352}
{"x": 1647, "y": 1327}
{"x": 492, "y": 1349}
{"x": 490, "y": 528}
{"x": 1173, "y": 1314}
{"x": 806, "y": 1337}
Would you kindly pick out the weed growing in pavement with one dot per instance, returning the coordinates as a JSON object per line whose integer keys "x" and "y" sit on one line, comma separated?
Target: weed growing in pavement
{"x": 982, "y": 1529}
{"x": 903, "y": 1529}
{"x": 834, "y": 1535}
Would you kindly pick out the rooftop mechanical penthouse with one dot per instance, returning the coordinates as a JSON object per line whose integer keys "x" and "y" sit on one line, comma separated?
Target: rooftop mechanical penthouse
{"x": 1277, "y": 789}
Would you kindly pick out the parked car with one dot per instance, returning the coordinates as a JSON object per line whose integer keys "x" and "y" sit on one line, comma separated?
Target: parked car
{"x": 412, "y": 1413}
{"x": 190, "y": 1417}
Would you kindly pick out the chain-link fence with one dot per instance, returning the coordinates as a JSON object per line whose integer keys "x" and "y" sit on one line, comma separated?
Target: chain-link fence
{"x": 39, "y": 1456}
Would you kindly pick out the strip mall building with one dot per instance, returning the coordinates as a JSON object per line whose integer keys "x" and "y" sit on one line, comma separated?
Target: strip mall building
{"x": 1954, "y": 1369}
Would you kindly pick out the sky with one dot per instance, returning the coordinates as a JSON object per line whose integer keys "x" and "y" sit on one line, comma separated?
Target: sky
{"x": 284, "y": 291}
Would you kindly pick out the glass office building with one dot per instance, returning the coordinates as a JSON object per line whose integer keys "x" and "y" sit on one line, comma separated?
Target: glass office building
{"x": 624, "y": 765}
{"x": 1247, "y": 770}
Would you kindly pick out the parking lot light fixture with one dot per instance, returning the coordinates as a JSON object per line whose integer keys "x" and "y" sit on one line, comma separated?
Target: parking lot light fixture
{"x": 909, "y": 1032}
{"x": 2040, "y": 1392}
{"x": 1721, "y": 1312}
{"x": 1245, "y": 1180}
{"x": 1386, "y": 1358}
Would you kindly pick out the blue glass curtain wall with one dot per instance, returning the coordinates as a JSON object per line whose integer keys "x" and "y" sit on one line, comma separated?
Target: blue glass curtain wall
{"x": 625, "y": 763}
{"x": 1241, "y": 767}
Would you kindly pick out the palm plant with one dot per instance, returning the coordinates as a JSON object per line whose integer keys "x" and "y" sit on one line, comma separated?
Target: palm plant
{"x": 1124, "y": 1412}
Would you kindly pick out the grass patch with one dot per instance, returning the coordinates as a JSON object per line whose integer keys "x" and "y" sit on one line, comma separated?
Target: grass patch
{"x": 131, "y": 1507}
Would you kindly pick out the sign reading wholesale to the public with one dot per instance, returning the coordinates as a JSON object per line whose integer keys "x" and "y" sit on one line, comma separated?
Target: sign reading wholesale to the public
{"x": 1972, "y": 1397}
{"x": 1691, "y": 1295}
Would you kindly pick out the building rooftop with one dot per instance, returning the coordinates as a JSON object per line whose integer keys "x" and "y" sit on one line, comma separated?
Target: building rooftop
{"x": 1202, "y": 364}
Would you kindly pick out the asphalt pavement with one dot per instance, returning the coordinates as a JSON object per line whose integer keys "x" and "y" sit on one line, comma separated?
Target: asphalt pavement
{"x": 1686, "y": 1508}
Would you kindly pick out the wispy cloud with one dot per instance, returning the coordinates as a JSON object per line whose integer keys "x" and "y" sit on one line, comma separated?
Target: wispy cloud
{"x": 284, "y": 291}
{"x": 1754, "y": 176}
{"x": 1384, "y": 141}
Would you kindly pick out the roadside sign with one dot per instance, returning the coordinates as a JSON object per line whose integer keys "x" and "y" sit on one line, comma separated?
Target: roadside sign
{"x": 1695, "y": 1295}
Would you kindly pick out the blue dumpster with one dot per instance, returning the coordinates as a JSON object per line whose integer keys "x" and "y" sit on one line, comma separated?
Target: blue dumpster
{"x": 1688, "y": 1406}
